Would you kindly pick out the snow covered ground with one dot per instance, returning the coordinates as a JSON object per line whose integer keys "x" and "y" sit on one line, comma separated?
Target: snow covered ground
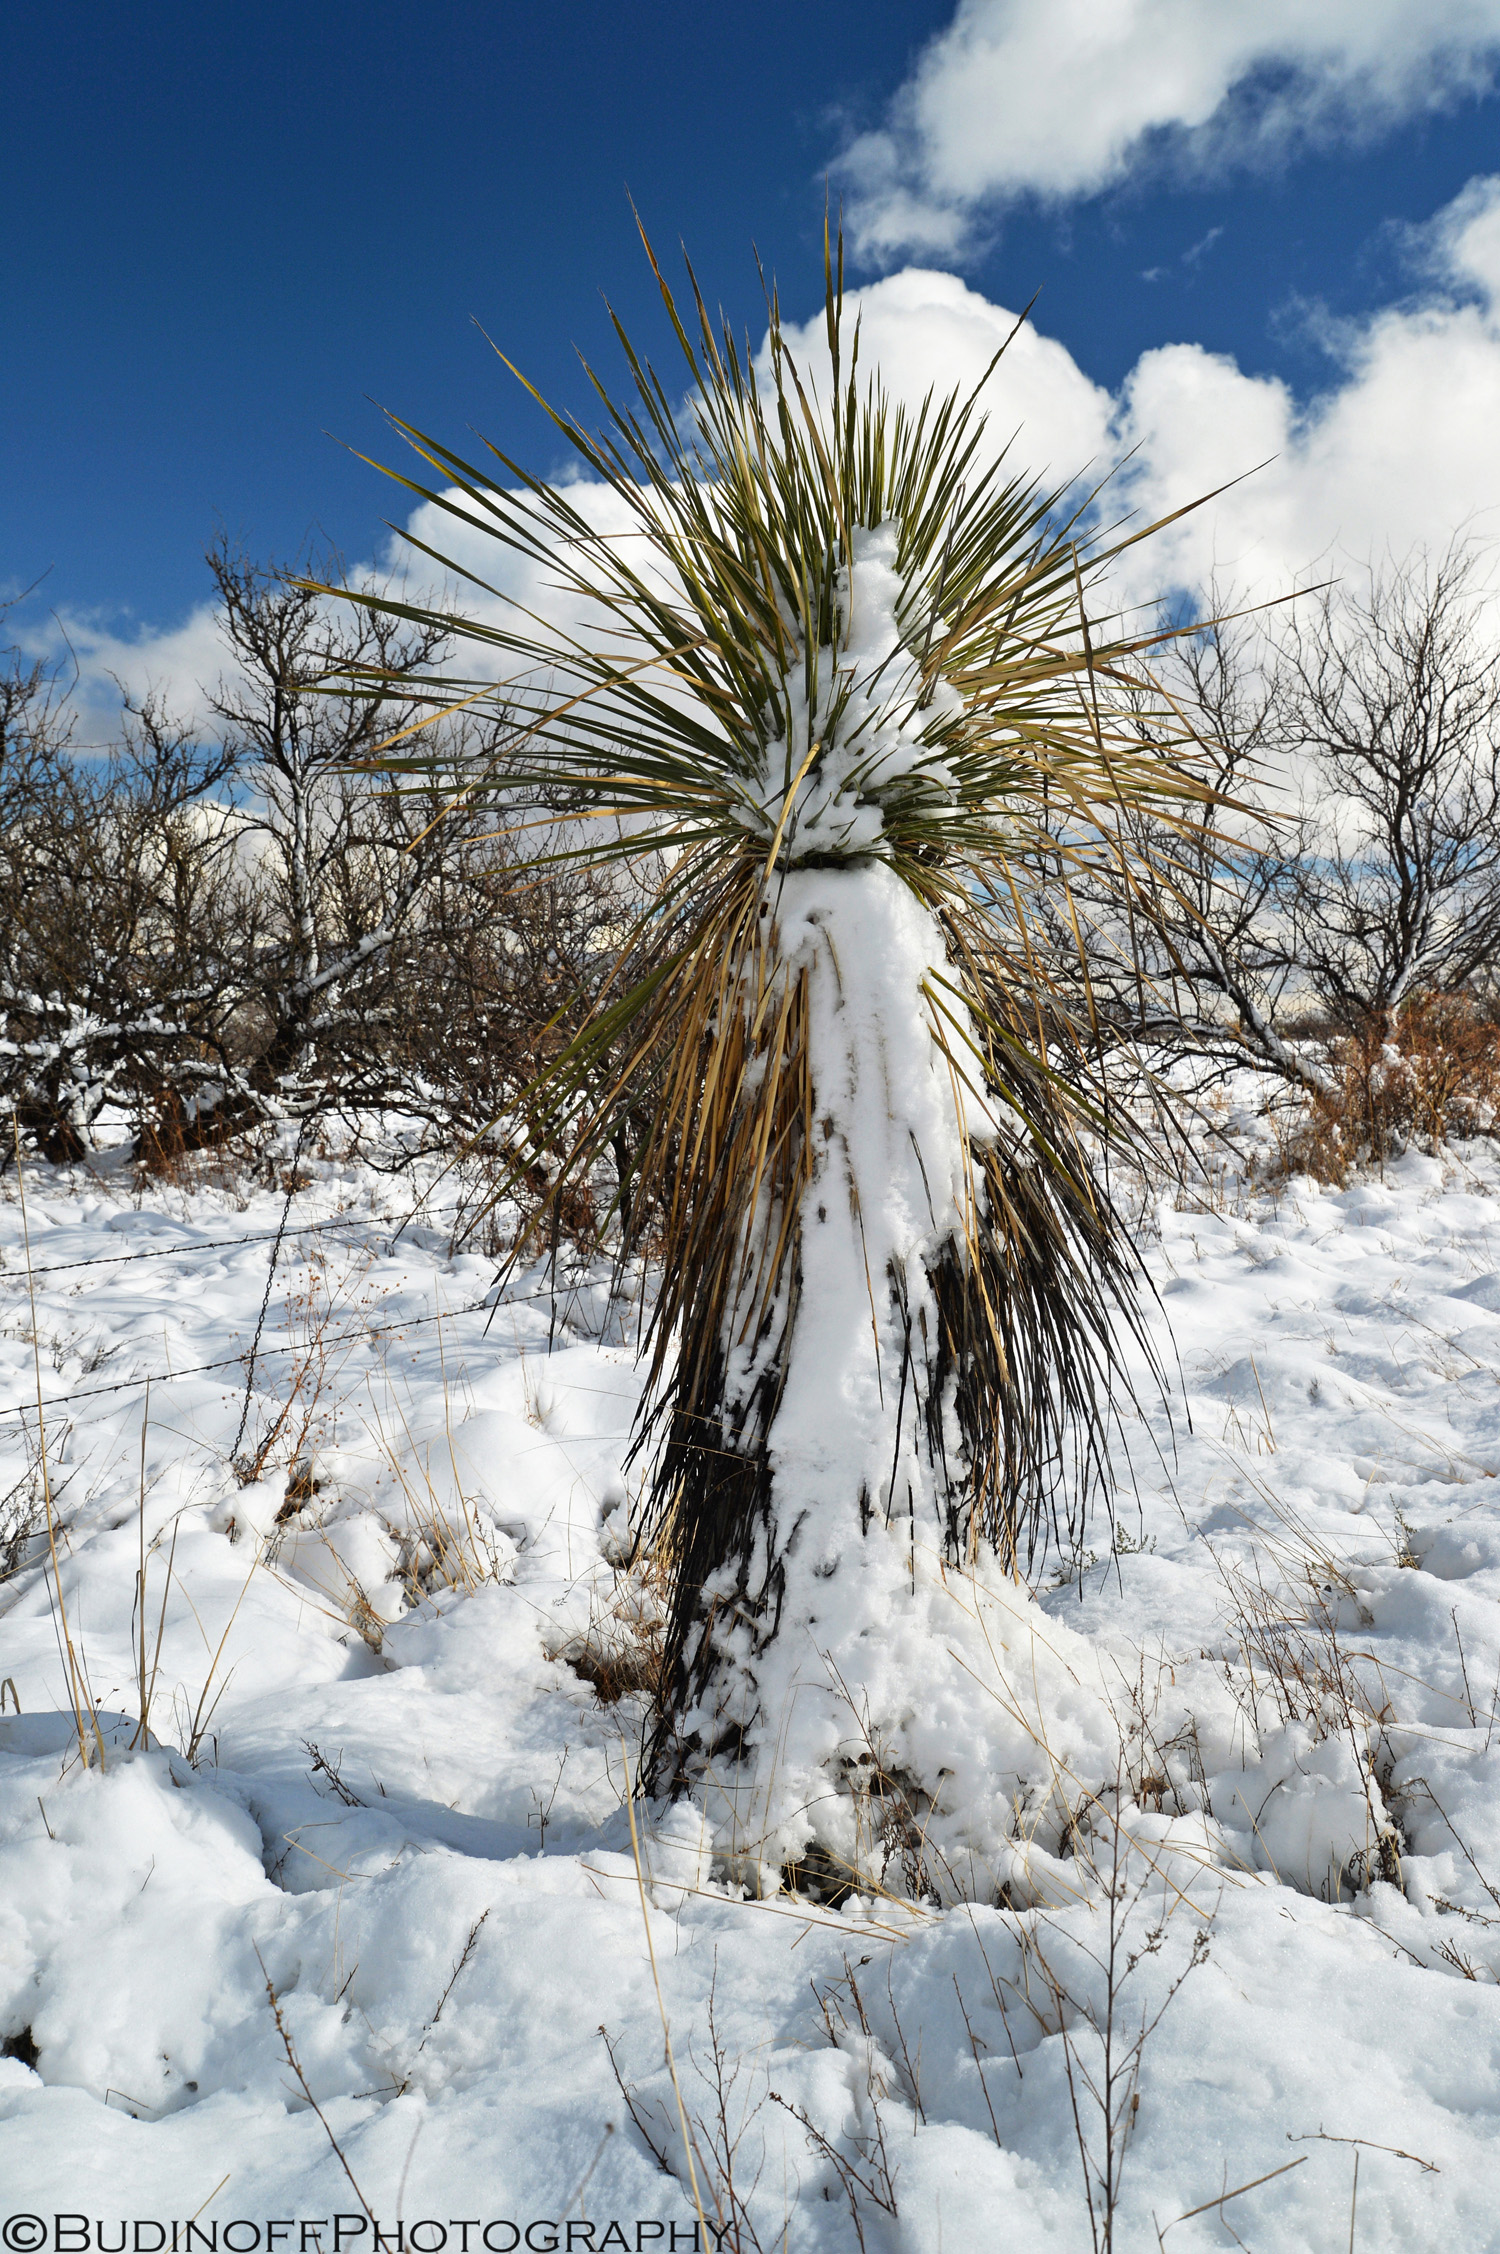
{"x": 1252, "y": 1758}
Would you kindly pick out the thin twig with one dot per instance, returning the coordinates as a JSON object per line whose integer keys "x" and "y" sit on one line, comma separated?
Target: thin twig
{"x": 468, "y": 1951}
{"x": 296, "y": 2066}
{"x": 260, "y": 1320}
{"x": 1323, "y": 2136}
{"x": 640, "y": 1880}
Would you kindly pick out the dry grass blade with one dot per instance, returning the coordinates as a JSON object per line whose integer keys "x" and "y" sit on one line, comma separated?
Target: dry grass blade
{"x": 1209, "y": 2206}
{"x": 85, "y": 1716}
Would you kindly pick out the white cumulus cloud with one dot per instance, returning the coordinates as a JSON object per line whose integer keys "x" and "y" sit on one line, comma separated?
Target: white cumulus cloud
{"x": 183, "y": 664}
{"x": 1401, "y": 448}
{"x": 927, "y": 331}
{"x": 1059, "y": 98}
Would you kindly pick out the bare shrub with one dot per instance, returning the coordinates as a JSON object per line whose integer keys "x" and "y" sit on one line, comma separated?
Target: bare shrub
{"x": 200, "y": 940}
{"x": 1325, "y": 922}
{"x": 1088, "y": 1976}
{"x": 1413, "y": 1080}
{"x": 114, "y": 924}
{"x": 1388, "y": 706}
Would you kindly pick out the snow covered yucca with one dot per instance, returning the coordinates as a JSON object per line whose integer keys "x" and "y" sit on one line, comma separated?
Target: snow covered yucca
{"x": 844, "y": 711}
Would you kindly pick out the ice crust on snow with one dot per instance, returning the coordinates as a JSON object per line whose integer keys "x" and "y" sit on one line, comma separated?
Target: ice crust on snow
{"x": 1342, "y": 1370}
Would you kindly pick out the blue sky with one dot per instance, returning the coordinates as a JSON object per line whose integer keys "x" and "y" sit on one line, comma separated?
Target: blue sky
{"x": 229, "y": 225}
{"x": 230, "y": 229}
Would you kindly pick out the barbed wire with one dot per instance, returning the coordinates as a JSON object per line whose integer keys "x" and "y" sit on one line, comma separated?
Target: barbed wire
{"x": 230, "y": 1361}
{"x": 222, "y": 1244}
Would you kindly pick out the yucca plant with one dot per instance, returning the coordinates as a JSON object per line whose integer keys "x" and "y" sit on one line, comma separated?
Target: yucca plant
{"x": 844, "y": 712}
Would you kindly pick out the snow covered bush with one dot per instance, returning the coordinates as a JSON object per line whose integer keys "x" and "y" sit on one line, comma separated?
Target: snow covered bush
{"x": 832, "y": 689}
{"x": 219, "y": 925}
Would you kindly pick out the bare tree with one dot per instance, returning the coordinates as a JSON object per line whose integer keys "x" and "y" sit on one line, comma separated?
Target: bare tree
{"x": 115, "y": 943}
{"x": 335, "y": 862}
{"x": 1194, "y": 959}
{"x": 196, "y": 938}
{"x": 1353, "y": 862}
{"x": 1387, "y": 702}
{"x": 401, "y": 963}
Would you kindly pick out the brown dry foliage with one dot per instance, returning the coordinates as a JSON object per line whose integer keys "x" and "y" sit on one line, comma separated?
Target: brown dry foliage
{"x": 622, "y": 1651}
{"x": 1414, "y": 1080}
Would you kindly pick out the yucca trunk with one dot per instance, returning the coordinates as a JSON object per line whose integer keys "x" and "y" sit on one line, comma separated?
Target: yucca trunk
{"x": 826, "y": 1472}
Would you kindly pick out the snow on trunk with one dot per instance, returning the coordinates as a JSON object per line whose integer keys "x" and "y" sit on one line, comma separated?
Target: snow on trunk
{"x": 814, "y": 1725}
